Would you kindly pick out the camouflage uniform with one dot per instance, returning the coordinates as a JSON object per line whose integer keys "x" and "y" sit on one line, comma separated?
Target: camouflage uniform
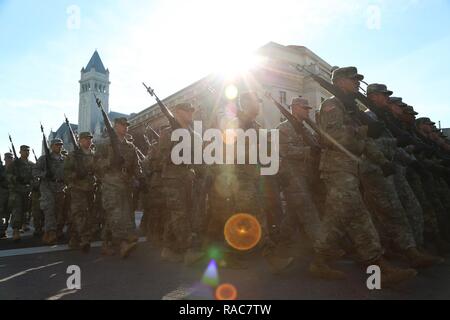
{"x": 381, "y": 196}
{"x": 52, "y": 192}
{"x": 116, "y": 187}
{"x": 20, "y": 177}
{"x": 154, "y": 201}
{"x": 346, "y": 212}
{"x": 37, "y": 213}
{"x": 177, "y": 181}
{"x": 296, "y": 159}
{"x": 79, "y": 176}
{"x": 4, "y": 197}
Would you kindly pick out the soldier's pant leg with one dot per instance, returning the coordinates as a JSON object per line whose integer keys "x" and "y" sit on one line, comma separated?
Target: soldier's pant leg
{"x": 444, "y": 195}
{"x": 300, "y": 203}
{"x": 38, "y": 214}
{"x": 61, "y": 210}
{"x": 117, "y": 204}
{"x": 177, "y": 230}
{"x": 19, "y": 209}
{"x": 431, "y": 229}
{"x": 381, "y": 197}
{"x": 48, "y": 206}
{"x": 156, "y": 214}
{"x": 411, "y": 204}
{"x": 429, "y": 185}
{"x": 4, "y": 211}
{"x": 81, "y": 209}
{"x": 346, "y": 214}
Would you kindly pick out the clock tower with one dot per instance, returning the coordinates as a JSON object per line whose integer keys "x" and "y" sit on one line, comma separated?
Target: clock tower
{"x": 94, "y": 82}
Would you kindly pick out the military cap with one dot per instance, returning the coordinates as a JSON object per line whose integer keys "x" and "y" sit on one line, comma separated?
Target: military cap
{"x": 85, "y": 135}
{"x": 122, "y": 121}
{"x": 184, "y": 106}
{"x": 58, "y": 142}
{"x": 299, "y": 100}
{"x": 378, "y": 88}
{"x": 424, "y": 121}
{"x": 410, "y": 110}
{"x": 24, "y": 148}
{"x": 9, "y": 155}
{"x": 346, "y": 73}
{"x": 398, "y": 101}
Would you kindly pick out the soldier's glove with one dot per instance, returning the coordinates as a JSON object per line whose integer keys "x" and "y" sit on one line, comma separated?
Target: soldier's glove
{"x": 375, "y": 129}
{"x": 388, "y": 169}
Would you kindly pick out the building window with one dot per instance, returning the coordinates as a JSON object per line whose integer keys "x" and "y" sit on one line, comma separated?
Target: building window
{"x": 283, "y": 97}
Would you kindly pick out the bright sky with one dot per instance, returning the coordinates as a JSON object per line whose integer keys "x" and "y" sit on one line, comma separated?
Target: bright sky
{"x": 170, "y": 44}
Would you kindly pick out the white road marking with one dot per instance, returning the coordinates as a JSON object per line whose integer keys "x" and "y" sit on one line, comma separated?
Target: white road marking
{"x": 181, "y": 293}
{"x": 40, "y": 250}
{"x": 62, "y": 293}
{"x": 29, "y": 270}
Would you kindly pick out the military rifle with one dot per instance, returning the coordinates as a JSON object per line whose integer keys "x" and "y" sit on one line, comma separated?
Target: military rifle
{"x": 350, "y": 102}
{"x": 48, "y": 169}
{"x": 312, "y": 143}
{"x": 13, "y": 148}
{"x": 298, "y": 127}
{"x": 35, "y": 157}
{"x": 167, "y": 113}
{"x": 73, "y": 139}
{"x": 118, "y": 160}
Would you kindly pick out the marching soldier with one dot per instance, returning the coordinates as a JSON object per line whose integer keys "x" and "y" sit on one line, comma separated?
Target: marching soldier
{"x": 80, "y": 178}
{"x": 346, "y": 212}
{"x": 154, "y": 202}
{"x": 236, "y": 188}
{"x": 295, "y": 176}
{"x": 178, "y": 182}
{"x": 116, "y": 184}
{"x": 401, "y": 221}
{"x": 20, "y": 177}
{"x": 52, "y": 190}
{"x": 5, "y": 210}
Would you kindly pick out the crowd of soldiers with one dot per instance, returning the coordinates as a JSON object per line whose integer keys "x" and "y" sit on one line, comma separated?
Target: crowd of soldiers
{"x": 373, "y": 185}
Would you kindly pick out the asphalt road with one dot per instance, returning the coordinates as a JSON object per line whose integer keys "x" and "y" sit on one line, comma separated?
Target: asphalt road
{"x": 33, "y": 272}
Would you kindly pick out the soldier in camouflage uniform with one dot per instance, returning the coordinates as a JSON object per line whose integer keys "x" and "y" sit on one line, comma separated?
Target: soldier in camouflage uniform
{"x": 346, "y": 212}
{"x": 418, "y": 177}
{"x": 5, "y": 211}
{"x": 436, "y": 188}
{"x": 237, "y": 188}
{"x": 178, "y": 182}
{"x": 52, "y": 192}
{"x": 79, "y": 176}
{"x": 20, "y": 177}
{"x": 154, "y": 201}
{"x": 405, "y": 224}
{"x": 295, "y": 176}
{"x": 116, "y": 184}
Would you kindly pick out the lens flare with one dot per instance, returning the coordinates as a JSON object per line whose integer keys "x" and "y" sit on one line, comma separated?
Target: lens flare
{"x": 211, "y": 275}
{"x": 231, "y": 92}
{"x": 243, "y": 232}
{"x": 226, "y": 292}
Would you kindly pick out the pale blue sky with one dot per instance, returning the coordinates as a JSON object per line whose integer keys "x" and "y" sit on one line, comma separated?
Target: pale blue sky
{"x": 171, "y": 44}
